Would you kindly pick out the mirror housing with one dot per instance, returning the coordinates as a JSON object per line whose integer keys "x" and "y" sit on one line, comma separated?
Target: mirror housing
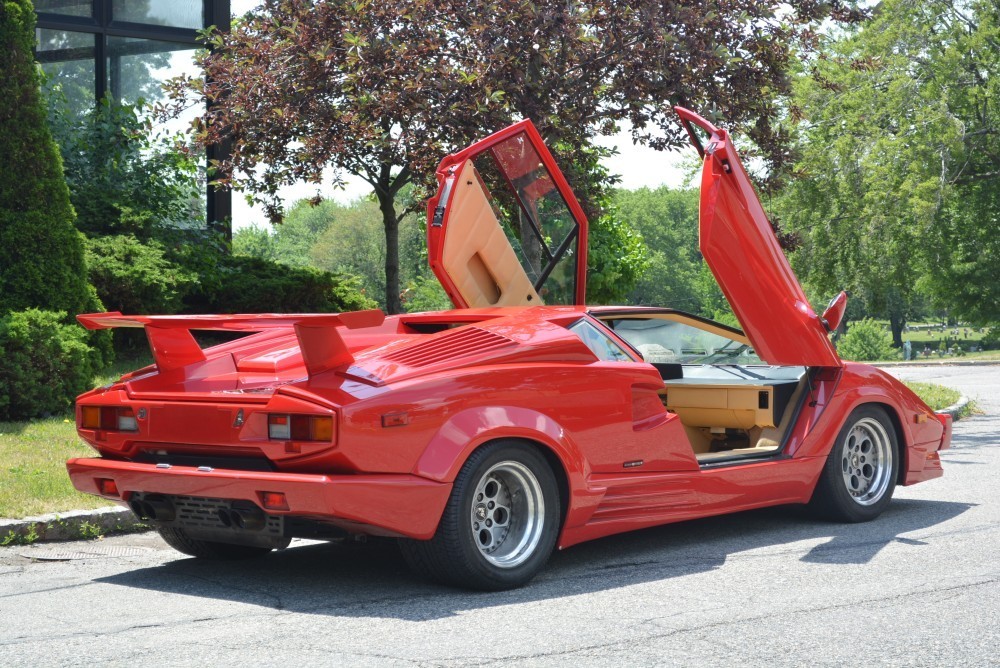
{"x": 834, "y": 312}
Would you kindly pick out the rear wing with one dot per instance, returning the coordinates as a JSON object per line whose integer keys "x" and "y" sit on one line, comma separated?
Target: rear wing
{"x": 174, "y": 346}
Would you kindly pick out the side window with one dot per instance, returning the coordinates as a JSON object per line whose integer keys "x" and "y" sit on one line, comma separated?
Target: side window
{"x": 599, "y": 343}
{"x": 541, "y": 229}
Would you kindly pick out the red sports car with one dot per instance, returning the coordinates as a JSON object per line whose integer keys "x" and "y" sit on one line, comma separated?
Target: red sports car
{"x": 485, "y": 436}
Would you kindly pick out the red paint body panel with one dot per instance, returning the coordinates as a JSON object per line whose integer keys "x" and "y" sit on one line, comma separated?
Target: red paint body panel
{"x": 740, "y": 248}
{"x": 403, "y": 505}
{"x": 618, "y": 503}
{"x": 411, "y": 397}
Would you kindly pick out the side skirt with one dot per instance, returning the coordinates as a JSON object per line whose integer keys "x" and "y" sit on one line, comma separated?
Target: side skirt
{"x": 615, "y": 503}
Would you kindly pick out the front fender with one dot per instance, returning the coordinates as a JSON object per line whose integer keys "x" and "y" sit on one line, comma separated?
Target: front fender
{"x": 467, "y": 430}
{"x": 918, "y": 427}
{"x": 916, "y": 420}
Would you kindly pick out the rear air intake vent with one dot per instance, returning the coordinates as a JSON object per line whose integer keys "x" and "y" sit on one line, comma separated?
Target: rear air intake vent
{"x": 460, "y": 342}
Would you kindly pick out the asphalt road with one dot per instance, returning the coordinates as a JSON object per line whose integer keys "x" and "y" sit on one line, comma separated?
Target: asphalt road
{"x": 919, "y": 586}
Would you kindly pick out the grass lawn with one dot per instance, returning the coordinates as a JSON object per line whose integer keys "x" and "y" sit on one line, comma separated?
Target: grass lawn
{"x": 33, "y": 477}
{"x": 931, "y": 336}
{"x": 33, "y": 456}
{"x": 935, "y": 396}
{"x": 980, "y": 355}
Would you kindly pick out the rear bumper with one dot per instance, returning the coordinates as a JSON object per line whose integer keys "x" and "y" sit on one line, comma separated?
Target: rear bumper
{"x": 404, "y": 505}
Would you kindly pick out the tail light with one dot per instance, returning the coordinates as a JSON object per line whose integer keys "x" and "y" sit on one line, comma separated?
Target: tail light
{"x": 108, "y": 418}
{"x": 284, "y": 427}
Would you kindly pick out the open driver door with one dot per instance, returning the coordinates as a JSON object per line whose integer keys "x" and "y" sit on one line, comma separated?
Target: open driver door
{"x": 504, "y": 228}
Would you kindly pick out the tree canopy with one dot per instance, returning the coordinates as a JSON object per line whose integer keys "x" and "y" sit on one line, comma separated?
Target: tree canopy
{"x": 895, "y": 190}
{"x": 383, "y": 90}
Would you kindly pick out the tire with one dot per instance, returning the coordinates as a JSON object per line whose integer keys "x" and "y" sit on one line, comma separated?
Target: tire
{"x": 860, "y": 474}
{"x": 206, "y": 549}
{"x": 500, "y": 524}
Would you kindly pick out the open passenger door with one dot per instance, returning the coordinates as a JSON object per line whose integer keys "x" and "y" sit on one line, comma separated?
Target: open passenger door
{"x": 739, "y": 246}
{"x": 504, "y": 228}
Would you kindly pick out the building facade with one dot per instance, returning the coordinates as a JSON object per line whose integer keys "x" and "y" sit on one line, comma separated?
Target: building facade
{"x": 126, "y": 49}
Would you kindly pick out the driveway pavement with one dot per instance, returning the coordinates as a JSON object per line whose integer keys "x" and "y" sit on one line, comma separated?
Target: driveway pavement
{"x": 919, "y": 586}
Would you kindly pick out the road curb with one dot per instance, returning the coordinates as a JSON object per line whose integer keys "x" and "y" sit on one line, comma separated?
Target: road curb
{"x": 956, "y": 407}
{"x": 70, "y": 525}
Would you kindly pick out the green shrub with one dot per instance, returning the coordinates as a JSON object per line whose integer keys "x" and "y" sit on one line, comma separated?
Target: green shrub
{"x": 254, "y": 241}
{"x": 44, "y": 363}
{"x": 617, "y": 258}
{"x": 866, "y": 341}
{"x": 237, "y": 284}
{"x": 991, "y": 339}
{"x": 425, "y": 293}
{"x": 41, "y": 253}
{"x": 135, "y": 277}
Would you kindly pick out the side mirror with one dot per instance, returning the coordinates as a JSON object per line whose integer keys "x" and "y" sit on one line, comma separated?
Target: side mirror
{"x": 834, "y": 313}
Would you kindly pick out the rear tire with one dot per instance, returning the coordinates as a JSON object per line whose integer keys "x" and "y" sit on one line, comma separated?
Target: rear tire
{"x": 860, "y": 474}
{"x": 206, "y": 549}
{"x": 500, "y": 524}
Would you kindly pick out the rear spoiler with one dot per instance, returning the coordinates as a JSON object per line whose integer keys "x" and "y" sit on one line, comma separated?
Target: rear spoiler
{"x": 174, "y": 346}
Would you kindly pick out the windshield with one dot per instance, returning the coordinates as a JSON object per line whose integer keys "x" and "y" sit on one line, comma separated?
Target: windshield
{"x": 670, "y": 342}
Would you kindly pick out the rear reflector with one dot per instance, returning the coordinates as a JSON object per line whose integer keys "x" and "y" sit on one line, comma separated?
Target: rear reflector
{"x": 300, "y": 427}
{"x": 107, "y": 487}
{"x": 274, "y": 500}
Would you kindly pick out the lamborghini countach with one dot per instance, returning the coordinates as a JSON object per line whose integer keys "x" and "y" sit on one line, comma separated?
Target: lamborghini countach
{"x": 520, "y": 422}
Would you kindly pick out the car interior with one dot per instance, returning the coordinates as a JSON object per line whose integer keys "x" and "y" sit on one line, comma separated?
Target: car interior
{"x": 732, "y": 405}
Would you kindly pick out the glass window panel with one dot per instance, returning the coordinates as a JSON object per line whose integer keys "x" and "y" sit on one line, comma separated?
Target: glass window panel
{"x": 65, "y": 7}
{"x": 538, "y": 223}
{"x": 67, "y": 58}
{"x": 671, "y": 342}
{"x": 175, "y": 13}
{"x": 137, "y": 68}
{"x": 599, "y": 343}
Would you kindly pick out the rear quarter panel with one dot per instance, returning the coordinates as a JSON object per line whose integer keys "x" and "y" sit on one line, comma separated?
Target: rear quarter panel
{"x": 582, "y": 412}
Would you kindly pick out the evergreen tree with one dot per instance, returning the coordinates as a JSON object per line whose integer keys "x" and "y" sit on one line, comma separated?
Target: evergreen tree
{"x": 41, "y": 252}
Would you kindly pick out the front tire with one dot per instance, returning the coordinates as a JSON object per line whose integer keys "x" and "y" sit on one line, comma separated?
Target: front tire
{"x": 500, "y": 524}
{"x": 860, "y": 474}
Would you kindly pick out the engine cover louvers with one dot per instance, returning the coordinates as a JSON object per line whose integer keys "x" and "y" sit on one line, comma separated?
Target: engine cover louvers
{"x": 460, "y": 342}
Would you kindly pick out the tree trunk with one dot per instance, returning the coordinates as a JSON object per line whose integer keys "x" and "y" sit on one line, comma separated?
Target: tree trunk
{"x": 387, "y": 205}
{"x": 896, "y": 324}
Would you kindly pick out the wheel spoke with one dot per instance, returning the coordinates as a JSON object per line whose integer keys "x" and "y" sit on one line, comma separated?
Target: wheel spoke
{"x": 867, "y": 461}
{"x": 506, "y": 514}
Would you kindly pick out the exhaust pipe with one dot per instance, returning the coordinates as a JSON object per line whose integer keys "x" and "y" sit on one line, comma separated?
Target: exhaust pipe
{"x": 136, "y": 506}
{"x": 159, "y": 508}
{"x": 247, "y": 517}
{"x": 156, "y": 508}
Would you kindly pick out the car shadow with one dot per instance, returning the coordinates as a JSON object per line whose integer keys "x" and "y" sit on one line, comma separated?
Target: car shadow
{"x": 372, "y": 580}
